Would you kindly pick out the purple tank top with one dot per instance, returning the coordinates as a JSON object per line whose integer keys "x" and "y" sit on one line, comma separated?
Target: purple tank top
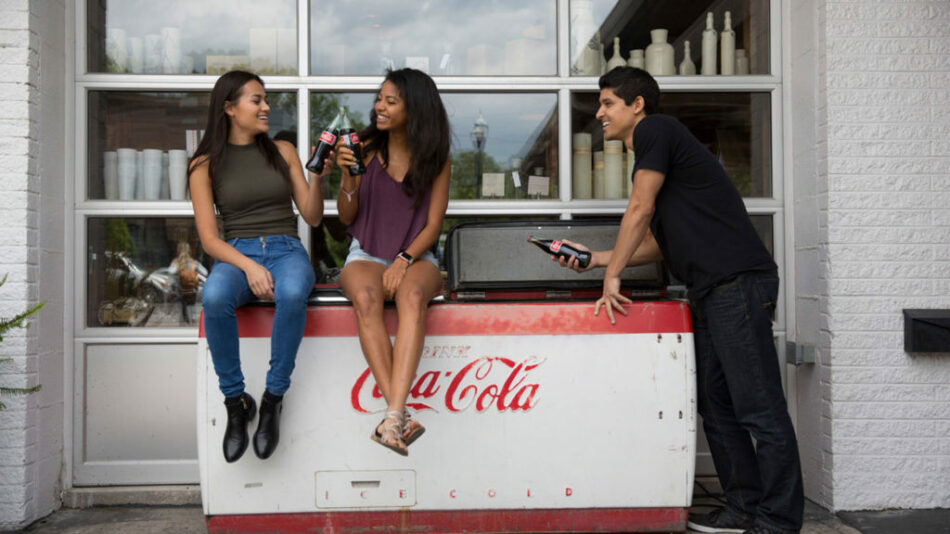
{"x": 386, "y": 221}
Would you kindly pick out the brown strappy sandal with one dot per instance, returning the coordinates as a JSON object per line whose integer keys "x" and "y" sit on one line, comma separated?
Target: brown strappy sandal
{"x": 411, "y": 430}
{"x": 391, "y": 437}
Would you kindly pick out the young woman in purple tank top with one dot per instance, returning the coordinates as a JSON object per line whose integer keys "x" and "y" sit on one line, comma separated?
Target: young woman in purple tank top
{"x": 395, "y": 214}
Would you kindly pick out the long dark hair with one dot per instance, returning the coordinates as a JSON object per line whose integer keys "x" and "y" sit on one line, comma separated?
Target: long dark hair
{"x": 215, "y": 141}
{"x": 427, "y": 128}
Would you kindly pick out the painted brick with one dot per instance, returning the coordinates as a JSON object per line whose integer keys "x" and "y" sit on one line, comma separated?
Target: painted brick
{"x": 882, "y": 80}
{"x": 890, "y": 375}
{"x": 886, "y": 234}
{"x": 881, "y": 200}
{"x": 890, "y": 410}
{"x": 885, "y": 428}
{"x": 885, "y": 252}
{"x": 878, "y": 165}
{"x": 870, "y": 464}
{"x": 902, "y": 446}
{"x": 893, "y": 218}
{"x": 883, "y": 392}
{"x": 866, "y": 323}
{"x": 881, "y": 287}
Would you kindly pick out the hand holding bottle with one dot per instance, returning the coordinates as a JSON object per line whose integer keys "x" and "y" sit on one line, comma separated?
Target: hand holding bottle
{"x": 345, "y": 158}
{"x": 326, "y": 167}
{"x": 573, "y": 262}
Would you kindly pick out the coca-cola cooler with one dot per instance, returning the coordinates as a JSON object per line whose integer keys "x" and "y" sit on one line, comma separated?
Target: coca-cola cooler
{"x": 540, "y": 416}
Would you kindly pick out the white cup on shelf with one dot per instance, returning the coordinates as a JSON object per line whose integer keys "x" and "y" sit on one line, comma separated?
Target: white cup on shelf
{"x": 177, "y": 174}
{"x": 152, "y": 178}
{"x": 126, "y": 169}
{"x": 110, "y": 175}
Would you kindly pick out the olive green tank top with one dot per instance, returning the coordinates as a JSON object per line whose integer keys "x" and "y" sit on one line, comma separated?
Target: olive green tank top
{"x": 252, "y": 197}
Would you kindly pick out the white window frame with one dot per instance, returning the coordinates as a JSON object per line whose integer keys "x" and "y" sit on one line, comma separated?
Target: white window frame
{"x": 80, "y": 210}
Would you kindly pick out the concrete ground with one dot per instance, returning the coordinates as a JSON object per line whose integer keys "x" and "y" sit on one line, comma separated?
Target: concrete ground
{"x": 189, "y": 520}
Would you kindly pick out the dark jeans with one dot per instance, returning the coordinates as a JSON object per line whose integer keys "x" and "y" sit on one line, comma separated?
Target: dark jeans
{"x": 740, "y": 397}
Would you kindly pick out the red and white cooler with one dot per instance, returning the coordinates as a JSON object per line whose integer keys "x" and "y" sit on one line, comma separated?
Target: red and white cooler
{"x": 540, "y": 417}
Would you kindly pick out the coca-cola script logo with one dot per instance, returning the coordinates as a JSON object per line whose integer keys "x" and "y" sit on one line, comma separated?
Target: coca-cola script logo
{"x": 328, "y": 137}
{"x": 555, "y": 246}
{"x": 487, "y": 383}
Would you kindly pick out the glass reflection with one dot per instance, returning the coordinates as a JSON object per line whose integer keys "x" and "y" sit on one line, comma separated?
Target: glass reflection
{"x": 207, "y": 37}
{"x": 144, "y": 272}
{"x": 736, "y": 127}
{"x": 445, "y": 38}
{"x": 515, "y": 159}
{"x": 596, "y": 23}
{"x": 140, "y": 143}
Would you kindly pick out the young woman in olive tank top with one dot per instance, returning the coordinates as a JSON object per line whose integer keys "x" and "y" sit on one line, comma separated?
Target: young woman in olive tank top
{"x": 395, "y": 213}
{"x": 252, "y": 181}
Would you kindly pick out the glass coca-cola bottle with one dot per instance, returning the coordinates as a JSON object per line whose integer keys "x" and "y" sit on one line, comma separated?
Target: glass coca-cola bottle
{"x": 324, "y": 146}
{"x": 352, "y": 141}
{"x": 559, "y": 248}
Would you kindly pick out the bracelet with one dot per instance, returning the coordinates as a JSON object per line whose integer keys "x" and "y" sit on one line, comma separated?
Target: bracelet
{"x": 349, "y": 194}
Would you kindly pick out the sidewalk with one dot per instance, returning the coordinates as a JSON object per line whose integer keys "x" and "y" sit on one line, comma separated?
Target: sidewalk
{"x": 189, "y": 520}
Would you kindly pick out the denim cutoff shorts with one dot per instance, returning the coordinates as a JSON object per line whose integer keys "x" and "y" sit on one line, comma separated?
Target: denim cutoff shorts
{"x": 358, "y": 254}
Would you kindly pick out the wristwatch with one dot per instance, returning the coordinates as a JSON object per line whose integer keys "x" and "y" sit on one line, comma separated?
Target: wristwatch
{"x": 403, "y": 255}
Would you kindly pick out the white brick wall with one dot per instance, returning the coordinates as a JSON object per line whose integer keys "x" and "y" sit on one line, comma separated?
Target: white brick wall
{"x": 32, "y": 100}
{"x": 882, "y": 120}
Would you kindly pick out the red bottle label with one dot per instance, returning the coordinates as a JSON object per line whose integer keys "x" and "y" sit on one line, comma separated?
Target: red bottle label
{"x": 354, "y": 139}
{"x": 328, "y": 138}
{"x": 555, "y": 246}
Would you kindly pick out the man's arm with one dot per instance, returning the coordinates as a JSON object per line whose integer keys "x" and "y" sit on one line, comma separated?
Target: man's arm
{"x": 634, "y": 227}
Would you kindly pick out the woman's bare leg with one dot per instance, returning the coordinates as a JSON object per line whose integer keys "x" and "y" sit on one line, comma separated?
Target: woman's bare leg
{"x": 422, "y": 282}
{"x": 362, "y": 282}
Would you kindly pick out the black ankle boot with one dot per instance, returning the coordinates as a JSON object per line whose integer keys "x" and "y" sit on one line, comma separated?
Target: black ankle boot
{"x": 241, "y": 410}
{"x": 268, "y": 428}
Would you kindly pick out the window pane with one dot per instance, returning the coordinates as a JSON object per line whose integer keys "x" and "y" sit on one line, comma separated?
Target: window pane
{"x": 516, "y": 157}
{"x": 595, "y": 24}
{"x": 188, "y": 37}
{"x": 139, "y": 143}
{"x": 763, "y": 227}
{"x": 736, "y": 127}
{"x": 444, "y": 38}
{"x": 144, "y": 272}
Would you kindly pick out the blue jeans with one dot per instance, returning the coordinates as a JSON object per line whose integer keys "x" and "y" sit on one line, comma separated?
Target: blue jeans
{"x": 739, "y": 390}
{"x": 226, "y": 289}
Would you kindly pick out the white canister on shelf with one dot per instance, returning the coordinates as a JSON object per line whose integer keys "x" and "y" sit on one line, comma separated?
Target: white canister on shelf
{"x": 153, "y": 53}
{"x": 136, "y": 55}
{"x": 742, "y": 62}
{"x": 617, "y": 59}
{"x": 152, "y": 176}
{"x": 164, "y": 193}
{"x": 127, "y": 170}
{"x": 728, "y": 48}
{"x": 636, "y": 59}
{"x": 613, "y": 169}
{"x": 659, "y": 55}
{"x": 171, "y": 50}
{"x": 117, "y": 55}
{"x": 600, "y": 187}
{"x": 581, "y": 173}
{"x": 110, "y": 175}
{"x": 177, "y": 174}
{"x": 139, "y": 175}
{"x": 708, "y": 67}
{"x": 687, "y": 67}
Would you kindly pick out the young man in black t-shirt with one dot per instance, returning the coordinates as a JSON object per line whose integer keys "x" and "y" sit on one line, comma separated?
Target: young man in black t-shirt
{"x": 686, "y": 211}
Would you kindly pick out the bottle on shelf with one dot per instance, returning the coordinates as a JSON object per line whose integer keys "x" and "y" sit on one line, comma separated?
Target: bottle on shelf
{"x": 687, "y": 67}
{"x": 561, "y": 249}
{"x": 351, "y": 140}
{"x": 728, "y": 48}
{"x": 617, "y": 59}
{"x": 325, "y": 144}
{"x": 742, "y": 62}
{"x": 581, "y": 175}
{"x": 636, "y": 59}
{"x": 708, "y": 67}
{"x": 659, "y": 55}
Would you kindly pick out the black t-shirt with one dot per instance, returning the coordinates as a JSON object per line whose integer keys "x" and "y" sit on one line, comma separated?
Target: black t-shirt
{"x": 700, "y": 222}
